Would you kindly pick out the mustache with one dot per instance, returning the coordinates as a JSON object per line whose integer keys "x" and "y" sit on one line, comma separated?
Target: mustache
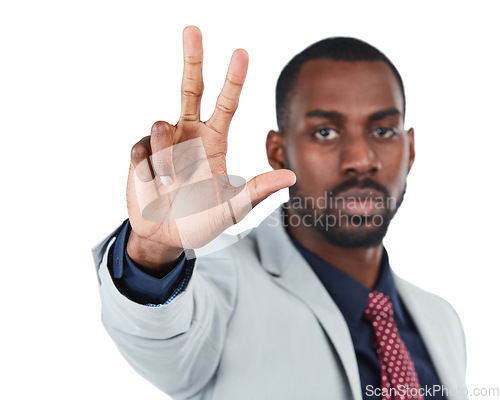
{"x": 356, "y": 183}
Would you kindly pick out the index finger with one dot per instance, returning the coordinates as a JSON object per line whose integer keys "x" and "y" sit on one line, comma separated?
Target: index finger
{"x": 192, "y": 80}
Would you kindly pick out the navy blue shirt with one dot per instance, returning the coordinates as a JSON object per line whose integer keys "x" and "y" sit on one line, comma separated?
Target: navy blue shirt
{"x": 349, "y": 295}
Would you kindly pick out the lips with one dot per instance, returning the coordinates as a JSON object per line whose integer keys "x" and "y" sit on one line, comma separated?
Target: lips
{"x": 359, "y": 202}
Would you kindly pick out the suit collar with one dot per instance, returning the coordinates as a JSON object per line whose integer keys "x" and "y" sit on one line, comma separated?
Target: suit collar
{"x": 350, "y": 295}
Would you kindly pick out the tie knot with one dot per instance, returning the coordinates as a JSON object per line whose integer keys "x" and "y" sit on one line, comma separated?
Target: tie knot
{"x": 378, "y": 305}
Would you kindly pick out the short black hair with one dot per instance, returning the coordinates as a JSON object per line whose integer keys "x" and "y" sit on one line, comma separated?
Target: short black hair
{"x": 334, "y": 48}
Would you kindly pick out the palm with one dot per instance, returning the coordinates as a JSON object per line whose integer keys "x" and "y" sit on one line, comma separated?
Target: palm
{"x": 196, "y": 201}
{"x": 178, "y": 192}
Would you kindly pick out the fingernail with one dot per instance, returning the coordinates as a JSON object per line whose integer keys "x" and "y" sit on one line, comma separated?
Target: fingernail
{"x": 166, "y": 180}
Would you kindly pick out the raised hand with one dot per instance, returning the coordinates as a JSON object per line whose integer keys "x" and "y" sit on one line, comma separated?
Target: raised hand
{"x": 179, "y": 195}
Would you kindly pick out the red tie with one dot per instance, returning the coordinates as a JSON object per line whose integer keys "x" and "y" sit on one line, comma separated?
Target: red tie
{"x": 399, "y": 378}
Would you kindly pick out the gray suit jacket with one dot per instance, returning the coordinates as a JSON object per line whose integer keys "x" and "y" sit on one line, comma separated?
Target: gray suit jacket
{"x": 255, "y": 322}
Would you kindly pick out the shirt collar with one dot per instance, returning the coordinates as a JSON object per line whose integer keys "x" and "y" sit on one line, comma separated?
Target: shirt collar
{"x": 350, "y": 295}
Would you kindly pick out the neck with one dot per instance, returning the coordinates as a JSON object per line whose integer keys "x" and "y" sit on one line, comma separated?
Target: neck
{"x": 361, "y": 264}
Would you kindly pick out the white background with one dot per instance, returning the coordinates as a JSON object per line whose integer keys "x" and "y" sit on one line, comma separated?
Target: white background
{"x": 81, "y": 82}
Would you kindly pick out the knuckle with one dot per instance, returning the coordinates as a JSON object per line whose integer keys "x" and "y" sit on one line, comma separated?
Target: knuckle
{"x": 226, "y": 104}
{"x": 188, "y": 117}
{"x": 217, "y": 155}
{"x": 232, "y": 82}
{"x": 191, "y": 93}
{"x": 193, "y": 60}
{"x": 160, "y": 130}
{"x": 139, "y": 152}
{"x": 224, "y": 108}
{"x": 193, "y": 85}
{"x": 254, "y": 189}
{"x": 158, "y": 124}
{"x": 213, "y": 128}
{"x": 195, "y": 79}
{"x": 161, "y": 127}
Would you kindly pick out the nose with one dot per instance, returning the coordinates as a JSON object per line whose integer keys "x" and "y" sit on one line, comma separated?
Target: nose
{"x": 358, "y": 157}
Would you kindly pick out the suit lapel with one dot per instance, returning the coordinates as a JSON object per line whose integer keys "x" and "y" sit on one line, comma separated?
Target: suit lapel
{"x": 427, "y": 324}
{"x": 281, "y": 259}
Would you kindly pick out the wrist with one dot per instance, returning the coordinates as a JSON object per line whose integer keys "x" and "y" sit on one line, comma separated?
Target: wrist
{"x": 153, "y": 257}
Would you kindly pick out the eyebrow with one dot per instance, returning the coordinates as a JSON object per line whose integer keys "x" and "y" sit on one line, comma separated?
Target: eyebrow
{"x": 325, "y": 114}
{"x": 384, "y": 113}
{"x": 332, "y": 115}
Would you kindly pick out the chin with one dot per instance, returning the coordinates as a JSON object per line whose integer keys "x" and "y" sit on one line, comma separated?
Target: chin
{"x": 356, "y": 232}
{"x": 354, "y": 238}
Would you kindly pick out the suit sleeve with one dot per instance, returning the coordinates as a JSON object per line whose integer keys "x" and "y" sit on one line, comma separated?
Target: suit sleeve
{"x": 176, "y": 346}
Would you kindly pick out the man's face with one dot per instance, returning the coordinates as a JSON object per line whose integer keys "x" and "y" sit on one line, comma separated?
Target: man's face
{"x": 346, "y": 143}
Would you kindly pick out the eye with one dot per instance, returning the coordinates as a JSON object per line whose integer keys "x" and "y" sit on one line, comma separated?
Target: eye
{"x": 384, "y": 133}
{"x": 326, "y": 134}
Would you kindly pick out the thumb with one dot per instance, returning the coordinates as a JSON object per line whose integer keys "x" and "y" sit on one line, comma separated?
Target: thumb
{"x": 264, "y": 185}
{"x": 251, "y": 194}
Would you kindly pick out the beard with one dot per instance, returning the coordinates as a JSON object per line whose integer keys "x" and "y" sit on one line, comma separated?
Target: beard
{"x": 345, "y": 230}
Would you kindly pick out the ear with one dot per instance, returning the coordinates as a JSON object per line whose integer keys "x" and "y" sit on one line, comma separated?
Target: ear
{"x": 411, "y": 144}
{"x": 275, "y": 146}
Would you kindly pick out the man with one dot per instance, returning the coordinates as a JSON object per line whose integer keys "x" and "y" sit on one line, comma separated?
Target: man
{"x": 306, "y": 305}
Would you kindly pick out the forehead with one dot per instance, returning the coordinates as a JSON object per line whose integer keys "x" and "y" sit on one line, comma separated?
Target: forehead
{"x": 352, "y": 88}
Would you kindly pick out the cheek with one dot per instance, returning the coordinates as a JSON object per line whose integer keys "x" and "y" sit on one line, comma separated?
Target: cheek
{"x": 314, "y": 170}
{"x": 396, "y": 170}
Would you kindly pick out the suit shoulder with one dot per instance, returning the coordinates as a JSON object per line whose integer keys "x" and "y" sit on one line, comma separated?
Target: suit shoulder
{"x": 430, "y": 301}
{"x": 438, "y": 323}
